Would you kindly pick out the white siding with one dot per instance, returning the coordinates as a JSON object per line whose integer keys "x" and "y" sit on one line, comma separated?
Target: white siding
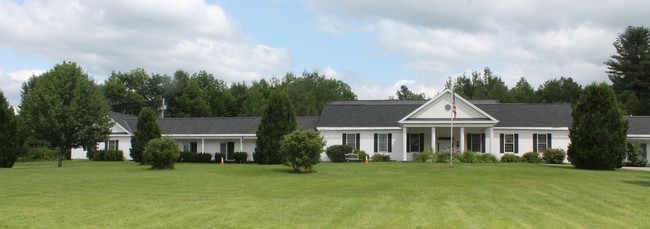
{"x": 367, "y": 138}
{"x": 560, "y": 139}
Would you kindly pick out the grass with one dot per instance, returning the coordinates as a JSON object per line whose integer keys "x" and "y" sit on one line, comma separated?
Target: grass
{"x": 88, "y": 194}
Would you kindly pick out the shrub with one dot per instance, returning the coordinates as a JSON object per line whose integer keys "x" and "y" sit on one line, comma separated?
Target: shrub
{"x": 379, "y": 157}
{"x": 532, "y": 157}
{"x": 508, "y": 157}
{"x": 192, "y": 157}
{"x": 634, "y": 155}
{"x": 39, "y": 154}
{"x": 443, "y": 157}
{"x": 336, "y": 153}
{"x": 218, "y": 156}
{"x": 362, "y": 154}
{"x": 554, "y": 156}
{"x": 487, "y": 158}
{"x": 240, "y": 157}
{"x": 424, "y": 157}
{"x": 469, "y": 157}
{"x": 161, "y": 153}
{"x": 301, "y": 149}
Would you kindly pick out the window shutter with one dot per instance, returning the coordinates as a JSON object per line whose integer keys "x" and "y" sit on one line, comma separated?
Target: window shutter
{"x": 376, "y": 143}
{"x": 469, "y": 142}
{"x": 358, "y": 140}
{"x": 501, "y": 143}
{"x": 534, "y": 142}
{"x": 344, "y": 140}
{"x": 548, "y": 141}
{"x": 483, "y": 143}
{"x": 390, "y": 143}
{"x": 117, "y": 145}
{"x": 516, "y": 143}
{"x": 421, "y": 142}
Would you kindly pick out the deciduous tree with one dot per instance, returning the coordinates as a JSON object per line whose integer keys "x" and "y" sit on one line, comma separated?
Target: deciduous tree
{"x": 301, "y": 149}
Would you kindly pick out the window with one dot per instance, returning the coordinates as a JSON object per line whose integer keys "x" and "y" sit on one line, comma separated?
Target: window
{"x": 415, "y": 142}
{"x": 352, "y": 140}
{"x": 509, "y": 143}
{"x": 383, "y": 142}
{"x": 476, "y": 142}
{"x": 541, "y": 142}
{"x": 228, "y": 149}
{"x": 189, "y": 147}
{"x": 112, "y": 145}
{"x": 644, "y": 150}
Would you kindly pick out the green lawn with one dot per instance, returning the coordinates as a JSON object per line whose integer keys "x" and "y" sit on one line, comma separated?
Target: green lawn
{"x": 87, "y": 194}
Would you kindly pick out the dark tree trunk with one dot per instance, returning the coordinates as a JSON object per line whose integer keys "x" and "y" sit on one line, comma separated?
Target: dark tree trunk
{"x": 61, "y": 152}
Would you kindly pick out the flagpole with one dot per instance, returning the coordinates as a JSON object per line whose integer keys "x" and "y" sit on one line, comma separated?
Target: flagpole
{"x": 451, "y": 121}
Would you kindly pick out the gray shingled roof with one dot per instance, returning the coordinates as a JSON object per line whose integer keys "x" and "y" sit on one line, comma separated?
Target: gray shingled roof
{"x": 210, "y": 125}
{"x": 529, "y": 114}
{"x": 386, "y": 113}
{"x": 368, "y": 113}
{"x": 638, "y": 125}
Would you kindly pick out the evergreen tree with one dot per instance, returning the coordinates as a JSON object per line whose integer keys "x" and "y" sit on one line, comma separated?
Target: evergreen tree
{"x": 147, "y": 129}
{"x": 8, "y": 134}
{"x": 598, "y": 131}
{"x": 629, "y": 69}
{"x": 279, "y": 119}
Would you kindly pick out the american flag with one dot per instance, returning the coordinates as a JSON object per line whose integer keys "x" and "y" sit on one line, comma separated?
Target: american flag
{"x": 453, "y": 104}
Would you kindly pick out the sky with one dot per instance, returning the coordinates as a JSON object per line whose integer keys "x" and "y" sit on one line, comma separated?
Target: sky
{"x": 373, "y": 45}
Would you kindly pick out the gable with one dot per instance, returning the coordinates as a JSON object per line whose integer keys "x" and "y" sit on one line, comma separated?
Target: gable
{"x": 436, "y": 109}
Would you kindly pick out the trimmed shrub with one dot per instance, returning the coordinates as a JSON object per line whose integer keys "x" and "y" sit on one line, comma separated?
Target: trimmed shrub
{"x": 107, "y": 155}
{"x": 192, "y": 157}
{"x": 634, "y": 155}
{"x": 469, "y": 157}
{"x": 218, "y": 156}
{"x": 362, "y": 154}
{"x": 554, "y": 156}
{"x": 532, "y": 157}
{"x": 379, "y": 157}
{"x": 508, "y": 157}
{"x": 487, "y": 158}
{"x": 443, "y": 157}
{"x": 39, "y": 154}
{"x": 301, "y": 150}
{"x": 424, "y": 157}
{"x": 336, "y": 153}
{"x": 161, "y": 153}
{"x": 240, "y": 157}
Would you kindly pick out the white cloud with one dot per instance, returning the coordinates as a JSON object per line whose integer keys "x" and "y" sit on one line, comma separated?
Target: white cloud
{"x": 160, "y": 36}
{"x": 12, "y": 83}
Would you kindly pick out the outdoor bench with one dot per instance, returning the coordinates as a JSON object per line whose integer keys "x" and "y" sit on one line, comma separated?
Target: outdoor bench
{"x": 351, "y": 157}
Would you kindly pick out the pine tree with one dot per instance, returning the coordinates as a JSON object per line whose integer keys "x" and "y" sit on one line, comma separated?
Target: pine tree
{"x": 598, "y": 131}
{"x": 279, "y": 119}
{"x": 8, "y": 140}
{"x": 147, "y": 129}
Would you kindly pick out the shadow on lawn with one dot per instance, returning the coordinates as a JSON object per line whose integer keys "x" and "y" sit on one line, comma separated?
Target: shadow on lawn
{"x": 644, "y": 183}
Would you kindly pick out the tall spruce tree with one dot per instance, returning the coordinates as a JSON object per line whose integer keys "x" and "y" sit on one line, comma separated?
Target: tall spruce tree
{"x": 598, "y": 131}
{"x": 279, "y": 119}
{"x": 8, "y": 134}
{"x": 147, "y": 129}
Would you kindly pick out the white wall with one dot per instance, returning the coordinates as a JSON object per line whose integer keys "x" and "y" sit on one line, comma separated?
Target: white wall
{"x": 560, "y": 140}
{"x": 124, "y": 144}
{"x": 367, "y": 138}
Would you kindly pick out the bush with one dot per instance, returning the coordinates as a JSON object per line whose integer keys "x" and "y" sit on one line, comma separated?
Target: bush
{"x": 487, "y": 158}
{"x": 469, "y": 157}
{"x": 379, "y": 157}
{"x": 106, "y": 155}
{"x": 443, "y": 157}
{"x": 634, "y": 155}
{"x": 554, "y": 156}
{"x": 161, "y": 153}
{"x": 218, "y": 156}
{"x": 301, "y": 149}
{"x": 192, "y": 157}
{"x": 39, "y": 154}
{"x": 336, "y": 153}
{"x": 424, "y": 157}
{"x": 362, "y": 154}
{"x": 240, "y": 157}
{"x": 532, "y": 157}
{"x": 508, "y": 157}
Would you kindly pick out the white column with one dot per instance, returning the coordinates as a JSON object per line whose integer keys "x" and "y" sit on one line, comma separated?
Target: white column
{"x": 202, "y": 145}
{"x": 491, "y": 134}
{"x": 404, "y": 143}
{"x": 241, "y": 144}
{"x": 433, "y": 139}
{"x": 461, "y": 146}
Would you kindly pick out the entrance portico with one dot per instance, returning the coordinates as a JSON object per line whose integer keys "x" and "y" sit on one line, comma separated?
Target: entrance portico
{"x": 430, "y": 127}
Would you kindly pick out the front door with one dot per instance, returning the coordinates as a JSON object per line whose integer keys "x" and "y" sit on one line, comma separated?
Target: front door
{"x": 228, "y": 148}
{"x": 443, "y": 145}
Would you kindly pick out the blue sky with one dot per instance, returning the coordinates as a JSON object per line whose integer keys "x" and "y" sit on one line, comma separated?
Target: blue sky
{"x": 374, "y": 46}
